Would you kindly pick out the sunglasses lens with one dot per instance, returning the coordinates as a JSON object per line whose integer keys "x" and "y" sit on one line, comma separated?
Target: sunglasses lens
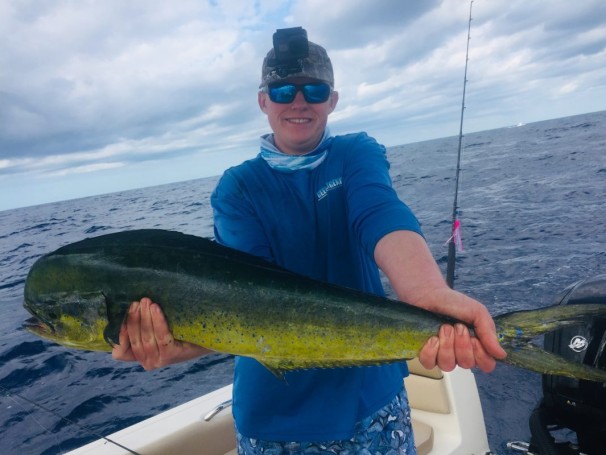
{"x": 316, "y": 93}
{"x": 313, "y": 93}
{"x": 283, "y": 94}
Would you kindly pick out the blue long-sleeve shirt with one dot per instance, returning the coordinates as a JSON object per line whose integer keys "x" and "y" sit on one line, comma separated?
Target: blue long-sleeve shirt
{"x": 324, "y": 223}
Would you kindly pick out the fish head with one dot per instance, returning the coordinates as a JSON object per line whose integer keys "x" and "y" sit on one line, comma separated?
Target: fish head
{"x": 66, "y": 308}
{"x": 73, "y": 320}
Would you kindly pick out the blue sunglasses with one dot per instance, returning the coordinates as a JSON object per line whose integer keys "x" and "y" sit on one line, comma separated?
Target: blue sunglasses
{"x": 314, "y": 93}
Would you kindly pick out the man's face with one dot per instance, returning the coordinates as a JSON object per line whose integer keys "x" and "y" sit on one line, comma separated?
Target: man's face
{"x": 297, "y": 126}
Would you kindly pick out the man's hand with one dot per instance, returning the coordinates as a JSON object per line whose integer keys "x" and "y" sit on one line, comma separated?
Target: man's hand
{"x": 455, "y": 346}
{"x": 146, "y": 338}
{"x": 416, "y": 278}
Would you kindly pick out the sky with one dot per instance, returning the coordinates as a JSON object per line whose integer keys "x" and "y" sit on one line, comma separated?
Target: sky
{"x": 98, "y": 96}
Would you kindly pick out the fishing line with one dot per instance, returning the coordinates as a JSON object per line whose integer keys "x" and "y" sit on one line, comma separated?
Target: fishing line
{"x": 10, "y": 395}
{"x": 29, "y": 414}
{"x": 454, "y": 242}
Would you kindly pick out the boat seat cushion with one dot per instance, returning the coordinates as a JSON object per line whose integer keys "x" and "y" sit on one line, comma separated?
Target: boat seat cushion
{"x": 423, "y": 437}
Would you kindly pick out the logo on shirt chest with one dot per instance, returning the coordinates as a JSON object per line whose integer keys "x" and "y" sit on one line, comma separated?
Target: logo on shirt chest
{"x": 329, "y": 186}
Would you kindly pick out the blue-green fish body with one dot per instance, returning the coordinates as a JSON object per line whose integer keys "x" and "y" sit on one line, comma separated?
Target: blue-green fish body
{"x": 236, "y": 303}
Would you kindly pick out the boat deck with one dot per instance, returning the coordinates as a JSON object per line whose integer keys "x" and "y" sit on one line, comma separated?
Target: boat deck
{"x": 446, "y": 412}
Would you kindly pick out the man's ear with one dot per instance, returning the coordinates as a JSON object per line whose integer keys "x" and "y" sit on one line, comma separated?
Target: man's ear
{"x": 334, "y": 99}
{"x": 262, "y": 99}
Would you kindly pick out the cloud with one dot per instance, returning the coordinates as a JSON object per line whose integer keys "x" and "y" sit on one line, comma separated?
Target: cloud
{"x": 151, "y": 68}
{"x": 115, "y": 88}
{"x": 364, "y": 22}
{"x": 85, "y": 169}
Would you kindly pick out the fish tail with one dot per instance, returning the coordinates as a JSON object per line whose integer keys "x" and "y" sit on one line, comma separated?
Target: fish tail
{"x": 528, "y": 324}
{"x": 517, "y": 329}
{"x": 534, "y": 358}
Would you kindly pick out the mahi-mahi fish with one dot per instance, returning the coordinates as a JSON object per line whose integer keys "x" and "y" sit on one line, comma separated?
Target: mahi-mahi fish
{"x": 236, "y": 303}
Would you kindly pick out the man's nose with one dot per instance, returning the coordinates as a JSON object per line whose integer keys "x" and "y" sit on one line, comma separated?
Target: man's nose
{"x": 299, "y": 100}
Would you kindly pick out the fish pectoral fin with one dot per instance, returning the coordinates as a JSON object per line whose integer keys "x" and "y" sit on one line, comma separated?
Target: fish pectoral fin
{"x": 536, "y": 359}
{"x": 116, "y": 315}
{"x": 111, "y": 333}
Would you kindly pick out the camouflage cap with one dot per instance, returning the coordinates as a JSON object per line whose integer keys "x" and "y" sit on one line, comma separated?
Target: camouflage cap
{"x": 316, "y": 65}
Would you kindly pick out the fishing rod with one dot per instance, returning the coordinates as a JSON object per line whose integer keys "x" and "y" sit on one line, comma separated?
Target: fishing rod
{"x": 454, "y": 242}
{"x": 11, "y": 395}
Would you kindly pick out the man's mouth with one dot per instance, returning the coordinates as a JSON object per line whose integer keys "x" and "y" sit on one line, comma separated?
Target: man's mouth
{"x": 299, "y": 121}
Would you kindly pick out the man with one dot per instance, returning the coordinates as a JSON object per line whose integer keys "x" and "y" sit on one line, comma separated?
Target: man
{"x": 322, "y": 206}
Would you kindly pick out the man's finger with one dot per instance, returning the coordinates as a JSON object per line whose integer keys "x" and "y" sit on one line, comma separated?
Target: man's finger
{"x": 446, "y": 354}
{"x": 164, "y": 337}
{"x": 484, "y": 361}
{"x": 122, "y": 351}
{"x": 463, "y": 348}
{"x": 429, "y": 353}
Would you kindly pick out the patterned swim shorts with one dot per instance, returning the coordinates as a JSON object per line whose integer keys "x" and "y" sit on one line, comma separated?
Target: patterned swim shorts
{"x": 386, "y": 432}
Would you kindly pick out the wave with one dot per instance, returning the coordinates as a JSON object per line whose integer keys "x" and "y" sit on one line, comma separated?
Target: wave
{"x": 94, "y": 228}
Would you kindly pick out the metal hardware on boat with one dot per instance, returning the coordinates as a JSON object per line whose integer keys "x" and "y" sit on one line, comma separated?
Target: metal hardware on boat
{"x": 217, "y": 410}
{"x": 520, "y": 446}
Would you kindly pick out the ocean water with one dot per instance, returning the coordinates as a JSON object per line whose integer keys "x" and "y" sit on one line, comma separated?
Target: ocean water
{"x": 532, "y": 207}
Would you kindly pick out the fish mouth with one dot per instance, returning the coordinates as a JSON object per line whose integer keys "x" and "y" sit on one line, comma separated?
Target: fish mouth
{"x": 37, "y": 326}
